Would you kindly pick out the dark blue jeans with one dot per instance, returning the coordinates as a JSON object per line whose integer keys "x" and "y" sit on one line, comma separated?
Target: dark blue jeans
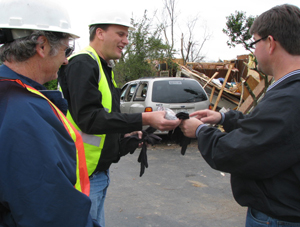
{"x": 258, "y": 219}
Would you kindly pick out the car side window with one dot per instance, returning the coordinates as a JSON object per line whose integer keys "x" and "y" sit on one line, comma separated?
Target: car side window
{"x": 128, "y": 94}
{"x": 123, "y": 91}
{"x": 141, "y": 92}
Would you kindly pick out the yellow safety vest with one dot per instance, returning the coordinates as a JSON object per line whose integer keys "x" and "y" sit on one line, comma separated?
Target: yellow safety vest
{"x": 82, "y": 178}
{"x": 93, "y": 144}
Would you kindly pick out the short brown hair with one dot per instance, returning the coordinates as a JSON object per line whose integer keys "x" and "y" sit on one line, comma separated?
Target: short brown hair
{"x": 94, "y": 27}
{"x": 283, "y": 23}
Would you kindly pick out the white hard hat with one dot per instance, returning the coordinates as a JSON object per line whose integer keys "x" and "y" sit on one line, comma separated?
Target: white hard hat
{"x": 111, "y": 17}
{"x": 23, "y": 15}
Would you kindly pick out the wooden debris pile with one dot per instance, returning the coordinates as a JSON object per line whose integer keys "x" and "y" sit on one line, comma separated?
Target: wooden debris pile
{"x": 226, "y": 81}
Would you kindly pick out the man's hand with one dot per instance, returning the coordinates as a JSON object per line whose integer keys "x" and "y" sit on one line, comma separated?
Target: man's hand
{"x": 189, "y": 127}
{"x": 139, "y": 134}
{"x": 157, "y": 120}
{"x": 207, "y": 116}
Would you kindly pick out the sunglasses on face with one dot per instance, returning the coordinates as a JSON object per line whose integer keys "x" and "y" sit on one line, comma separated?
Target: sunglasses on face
{"x": 70, "y": 48}
{"x": 69, "y": 51}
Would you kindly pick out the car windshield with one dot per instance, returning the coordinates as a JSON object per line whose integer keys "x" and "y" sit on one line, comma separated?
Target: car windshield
{"x": 177, "y": 91}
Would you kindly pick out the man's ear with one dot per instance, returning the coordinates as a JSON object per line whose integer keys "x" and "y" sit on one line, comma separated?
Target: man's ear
{"x": 99, "y": 33}
{"x": 41, "y": 46}
{"x": 272, "y": 44}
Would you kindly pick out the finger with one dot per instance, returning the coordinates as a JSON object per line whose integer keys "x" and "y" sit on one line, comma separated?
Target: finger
{"x": 196, "y": 113}
{"x": 140, "y": 134}
{"x": 204, "y": 119}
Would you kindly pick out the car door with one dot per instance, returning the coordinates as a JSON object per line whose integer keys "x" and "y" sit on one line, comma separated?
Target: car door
{"x": 127, "y": 93}
{"x": 139, "y": 98}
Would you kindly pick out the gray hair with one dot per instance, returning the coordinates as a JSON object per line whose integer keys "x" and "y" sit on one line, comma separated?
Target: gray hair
{"x": 24, "y": 48}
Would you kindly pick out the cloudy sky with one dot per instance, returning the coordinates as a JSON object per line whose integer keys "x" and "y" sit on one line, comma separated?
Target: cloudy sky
{"x": 211, "y": 13}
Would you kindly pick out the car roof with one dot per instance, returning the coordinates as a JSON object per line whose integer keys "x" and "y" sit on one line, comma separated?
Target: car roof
{"x": 161, "y": 78}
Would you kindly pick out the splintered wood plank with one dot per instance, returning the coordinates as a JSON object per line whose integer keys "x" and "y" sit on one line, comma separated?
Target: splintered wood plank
{"x": 258, "y": 91}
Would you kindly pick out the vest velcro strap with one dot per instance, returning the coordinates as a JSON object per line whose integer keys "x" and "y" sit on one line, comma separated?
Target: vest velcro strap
{"x": 90, "y": 139}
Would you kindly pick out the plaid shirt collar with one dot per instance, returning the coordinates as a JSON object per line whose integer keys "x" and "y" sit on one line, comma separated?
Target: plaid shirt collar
{"x": 283, "y": 78}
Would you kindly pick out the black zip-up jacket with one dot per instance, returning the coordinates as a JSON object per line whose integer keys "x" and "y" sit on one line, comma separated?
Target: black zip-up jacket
{"x": 261, "y": 150}
{"x": 79, "y": 82}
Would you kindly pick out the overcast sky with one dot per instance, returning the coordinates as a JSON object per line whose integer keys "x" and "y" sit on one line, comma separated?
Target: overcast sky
{"x": 212, "y": 13}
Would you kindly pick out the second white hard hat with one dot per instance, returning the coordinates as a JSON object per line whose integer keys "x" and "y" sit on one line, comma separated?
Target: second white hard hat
{"x": 111, "y": 17}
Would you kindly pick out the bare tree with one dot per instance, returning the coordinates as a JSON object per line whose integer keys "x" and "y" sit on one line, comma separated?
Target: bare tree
{"x": 191, "y": 48}
{"x": 169, "y": 21}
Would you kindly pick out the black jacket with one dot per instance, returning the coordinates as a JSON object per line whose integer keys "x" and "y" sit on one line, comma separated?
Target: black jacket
{"x": 261, "y": 150}
{"x": 79, "y": 82}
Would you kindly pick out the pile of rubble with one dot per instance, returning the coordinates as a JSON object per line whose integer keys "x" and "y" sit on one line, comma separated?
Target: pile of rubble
{"x": 234, "y": 81}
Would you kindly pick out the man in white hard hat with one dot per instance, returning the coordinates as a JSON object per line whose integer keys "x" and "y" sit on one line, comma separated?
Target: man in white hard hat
{"x": 43, "y": 174}
{"x": 94, "y": 102}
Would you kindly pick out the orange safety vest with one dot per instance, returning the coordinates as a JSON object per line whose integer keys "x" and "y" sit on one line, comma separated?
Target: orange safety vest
{"x": 82, "y": 182}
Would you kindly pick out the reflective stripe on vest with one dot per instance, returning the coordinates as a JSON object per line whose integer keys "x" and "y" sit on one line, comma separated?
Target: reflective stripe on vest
{"x": 93, "y": 144}
{"x": 82, "y": 178}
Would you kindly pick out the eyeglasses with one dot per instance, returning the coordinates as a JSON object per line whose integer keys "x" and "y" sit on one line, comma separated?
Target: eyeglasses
{"x": 252, "y": 45}
{"x": 70, "y": 48}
